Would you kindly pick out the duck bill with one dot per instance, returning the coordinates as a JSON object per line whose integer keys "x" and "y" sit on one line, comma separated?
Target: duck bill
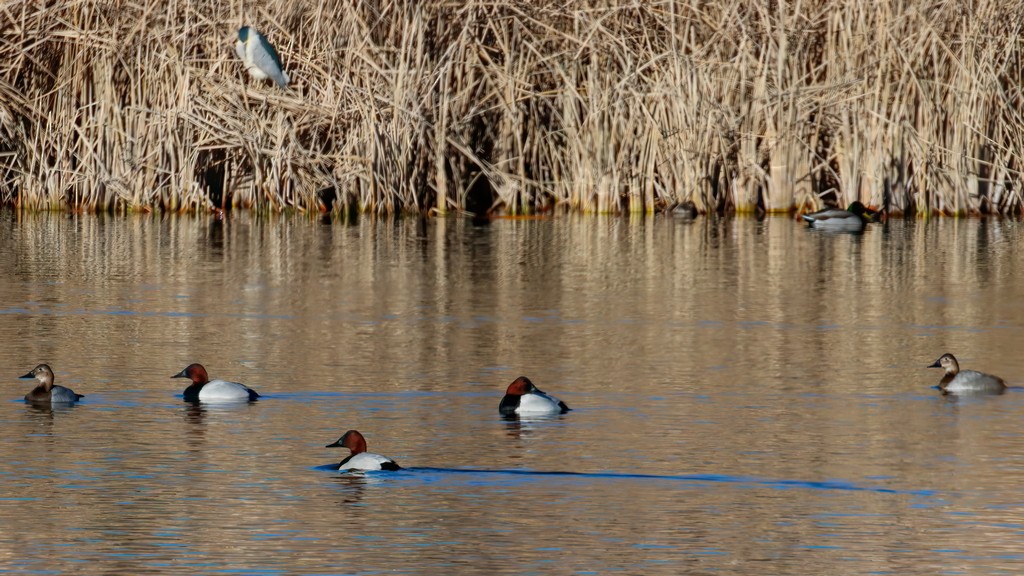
{"x": 935, "y": 365}
{"x": 181, "y": 374}
{"x": 29, "y": 376}
{"x": 335, "y": 445}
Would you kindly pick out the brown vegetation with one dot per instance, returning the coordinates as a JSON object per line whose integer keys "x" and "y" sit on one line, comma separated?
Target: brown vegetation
{"x": 516, "y": 106}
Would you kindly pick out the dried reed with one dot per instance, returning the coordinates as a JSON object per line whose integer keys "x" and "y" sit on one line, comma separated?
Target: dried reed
{"x": 517, "y": 106}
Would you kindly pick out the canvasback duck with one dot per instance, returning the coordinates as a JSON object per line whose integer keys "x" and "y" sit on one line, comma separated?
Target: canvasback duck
{"x": 957, "y": 380}
{"x": 852, "y": 219}
{"x": 205, "y": 390}
{"x": 360, "y": 459}
{"x": 46, "y": 392}
{"x": 522, "y": 397}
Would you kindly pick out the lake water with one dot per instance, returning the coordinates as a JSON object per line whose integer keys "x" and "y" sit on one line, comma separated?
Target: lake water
{"x": 749, "y": 397}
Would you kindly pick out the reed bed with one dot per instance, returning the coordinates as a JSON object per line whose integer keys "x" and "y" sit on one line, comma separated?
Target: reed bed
{"x": 514, "y": 107}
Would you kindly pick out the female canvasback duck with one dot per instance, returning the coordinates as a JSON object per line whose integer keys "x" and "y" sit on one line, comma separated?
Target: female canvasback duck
{"x": 957, "y": 380}
{"x": 852, "y": 219}
{"x": 205, "y": 390}
{"x": 46, "y": 392}
{"x": 522, "y": 397}
{"x": 360, "y": 459}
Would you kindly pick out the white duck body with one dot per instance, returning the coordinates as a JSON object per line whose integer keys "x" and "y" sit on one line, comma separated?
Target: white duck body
{"x": 224, "y": 391}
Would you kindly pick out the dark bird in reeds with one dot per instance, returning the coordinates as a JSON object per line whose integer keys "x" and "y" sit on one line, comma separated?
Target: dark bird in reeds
{"x": 685, "y": 210}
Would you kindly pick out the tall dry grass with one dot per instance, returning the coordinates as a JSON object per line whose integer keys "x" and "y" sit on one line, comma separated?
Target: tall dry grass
{"x": 516, "y": 106}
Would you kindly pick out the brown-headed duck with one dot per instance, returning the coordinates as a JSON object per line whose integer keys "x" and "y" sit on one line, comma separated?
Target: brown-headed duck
{"x": 957, "y": 380}
{"x": 46, "y": 391}
{"x": 360, "y": 459}
{"x": 205, "y": 390}
{"x": 522, "y": 397}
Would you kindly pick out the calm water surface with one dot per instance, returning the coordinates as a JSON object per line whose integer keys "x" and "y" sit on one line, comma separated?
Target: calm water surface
{"x": 749, "y": 397}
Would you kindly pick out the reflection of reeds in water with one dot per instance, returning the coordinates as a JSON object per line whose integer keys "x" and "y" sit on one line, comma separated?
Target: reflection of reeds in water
{"x": 517, "y": 107}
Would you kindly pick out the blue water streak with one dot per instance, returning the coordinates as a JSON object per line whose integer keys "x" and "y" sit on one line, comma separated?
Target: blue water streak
{"x": 778, "y": 484}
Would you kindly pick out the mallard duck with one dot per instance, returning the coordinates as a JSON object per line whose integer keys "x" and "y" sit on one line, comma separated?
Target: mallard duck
{"x": 852, "y": 219}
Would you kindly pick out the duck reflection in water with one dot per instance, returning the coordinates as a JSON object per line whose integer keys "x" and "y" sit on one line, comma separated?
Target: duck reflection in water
{"x": 41, "y": 411}
{"x": 352, "y": 487}
{"x": 194, "y": 416}
{"x": 523, "y": 427}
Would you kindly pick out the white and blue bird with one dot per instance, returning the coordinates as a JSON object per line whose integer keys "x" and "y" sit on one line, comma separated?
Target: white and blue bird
{"x": 259, "y": 57}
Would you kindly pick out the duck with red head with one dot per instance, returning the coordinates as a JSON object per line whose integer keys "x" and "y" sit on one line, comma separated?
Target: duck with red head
{"x": 360, "y": 459}
{"x": 203, "y": 389}
{"x": 46, "y": 392}
{"x": 522, "y": 397}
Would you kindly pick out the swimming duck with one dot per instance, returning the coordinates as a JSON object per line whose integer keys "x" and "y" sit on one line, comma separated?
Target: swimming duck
{"x": 850, "y": 220}
{"x": 685, "y": 210}
{"x": 522, "y": 397}
{"x": 205, "y": 390}
{"x": 360, "y": 459}
{"x": 46, "y": 392}
{"x": 957, "y": 380}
